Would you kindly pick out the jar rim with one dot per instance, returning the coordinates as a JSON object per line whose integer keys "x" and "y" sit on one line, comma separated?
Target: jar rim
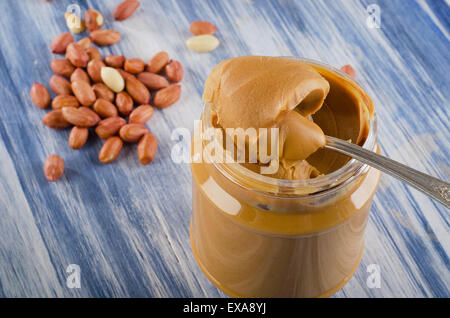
{"x": 308, "y": 188}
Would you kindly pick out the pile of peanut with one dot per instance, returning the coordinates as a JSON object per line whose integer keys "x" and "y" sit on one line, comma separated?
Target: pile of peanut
{"x": 109, "y": 95}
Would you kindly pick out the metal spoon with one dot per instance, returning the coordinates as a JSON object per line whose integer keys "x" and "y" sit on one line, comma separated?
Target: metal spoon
{"x": 435, "y": 188}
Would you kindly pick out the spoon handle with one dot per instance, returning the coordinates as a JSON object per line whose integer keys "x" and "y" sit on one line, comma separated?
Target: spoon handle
{"x": 432, "y": 186}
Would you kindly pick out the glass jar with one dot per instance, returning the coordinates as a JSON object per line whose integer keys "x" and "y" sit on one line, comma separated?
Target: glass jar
{"x": 257, "y": 236}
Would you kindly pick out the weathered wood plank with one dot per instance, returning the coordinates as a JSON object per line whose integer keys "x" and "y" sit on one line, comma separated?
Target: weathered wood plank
{"x": 127, "y": 225}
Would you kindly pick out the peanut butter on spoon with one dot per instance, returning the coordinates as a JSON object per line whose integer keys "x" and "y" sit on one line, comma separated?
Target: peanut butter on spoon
{"x": 299, "y": 137}
{"x": 266, "y": 92}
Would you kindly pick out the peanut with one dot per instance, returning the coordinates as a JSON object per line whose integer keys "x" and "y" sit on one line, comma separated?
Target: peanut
{"x": 93, "y": 19}
{"x": 62, "y": 67}
{"x": 167, "y": 96}
{"x": 174, "y": 71}
{"x": 137, "y": 91}
{"x": 115, "y": 60}
{"x": 202, "y": 27}
{"x": 40, "y": 95}
{"x": 134, "y": 66}
{"x": 94, "y": 69}
{"x": 85, "y": 43}
{"x": 78, "y": 137}
{"x": 55, "y": 120}
{"x": 61, "y": 101}
{"x": 80, "y": 75}
{"x": 80, "y": 117}
{"x": 349, "y": 70}
{"x": 94, "y": 54}
{"x": 147, "y": 148}
{"x": 157, "y": 62}
{"x": 53, "y": 167}
{"x": 132, "y": 132}
{"x": 110, "y": 150}
{"x": 77, "y": 55}
{"x": 125, "y": 9}
{"x": 153, "y": 81}
{"x": 141, "y": 114}
{"x": 102, "y": 91}
{"x": 105, "y": 108}
{"x": 203, "y": 43}
{"x": 112, "y": 78}
{"x": 89, "y": 112}
{"x": 104, "y": 37}
{"x": 60, "y": 85}
{"x": 109, "y": 127}
{"x": 124, "y": 103}
{"x": 84, "y": 93}
{"x": 125, "y": 75}
{"x": 60, "y": 43}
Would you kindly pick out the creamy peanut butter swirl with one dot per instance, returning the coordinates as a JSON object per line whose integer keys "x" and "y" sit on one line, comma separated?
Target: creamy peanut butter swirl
{"x": 266, "y": 92}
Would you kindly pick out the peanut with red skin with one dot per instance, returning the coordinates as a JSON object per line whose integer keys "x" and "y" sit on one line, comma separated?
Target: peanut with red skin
{"x": 104, "y": 37}
{"x": 109, "y": 127}
{"x": 94, "y": 68}
{"x": 103, "y": 91}
{"x": 110, "y": 150}
{"x": 147, "y": 148}
{"x": 167, "y": 96}
{"x": 77, "y": 55}
{"x": 124, "y": 103}
{"x": 78, "y": 137}
{"x": 62, "y": 67}
{"x": 115, "y": 60}
{"x": 202, "y": 27}
{"x": 53, "y": 167}
{"x": 141, "y": 114}
{"x": 137, "y": 91}
{"x": 349, "y": 70}
{"x": 80, "y": 75}
{"x": 132, "y": 132}
{"x": 60, "y": 85}
{"x": 61, "y": 101}
{"x": 40, "y": 95}
{"x": 60, "y": 43}
{"x": 84, "y": 93}
{"x": 153, "y": 81}
{"x": 55, "y": 120}
{"x": 105, "y": 109}
{"x": 174, "y": 71}
{"x": 125, "y": 9}
{"x": 157, "y": 62}
{"x": 134, "y": 66}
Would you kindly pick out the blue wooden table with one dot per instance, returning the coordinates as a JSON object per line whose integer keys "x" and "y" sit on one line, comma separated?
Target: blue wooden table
{"x": 126, "y": 225}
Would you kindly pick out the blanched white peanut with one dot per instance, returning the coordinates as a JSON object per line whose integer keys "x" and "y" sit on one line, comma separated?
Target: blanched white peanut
{"x": 203, "y": 43}
{"x": 112, "y": 78}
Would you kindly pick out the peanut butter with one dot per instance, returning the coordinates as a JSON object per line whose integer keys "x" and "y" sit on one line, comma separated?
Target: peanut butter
{"x": 265, "y": 92}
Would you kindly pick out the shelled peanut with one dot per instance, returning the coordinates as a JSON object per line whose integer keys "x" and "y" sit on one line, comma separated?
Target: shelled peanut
{"x": 349, "y": 70}
{"x": 125, "y": 9}
{"x": 53, "y": 167}
{"x": 112, "y": 95}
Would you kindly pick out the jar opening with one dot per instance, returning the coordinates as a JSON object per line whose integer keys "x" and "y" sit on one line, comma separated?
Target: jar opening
{"x": 271, "y": 186}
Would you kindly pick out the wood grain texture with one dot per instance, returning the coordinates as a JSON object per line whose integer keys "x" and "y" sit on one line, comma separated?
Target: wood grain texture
{"x": 126, "y": 225}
